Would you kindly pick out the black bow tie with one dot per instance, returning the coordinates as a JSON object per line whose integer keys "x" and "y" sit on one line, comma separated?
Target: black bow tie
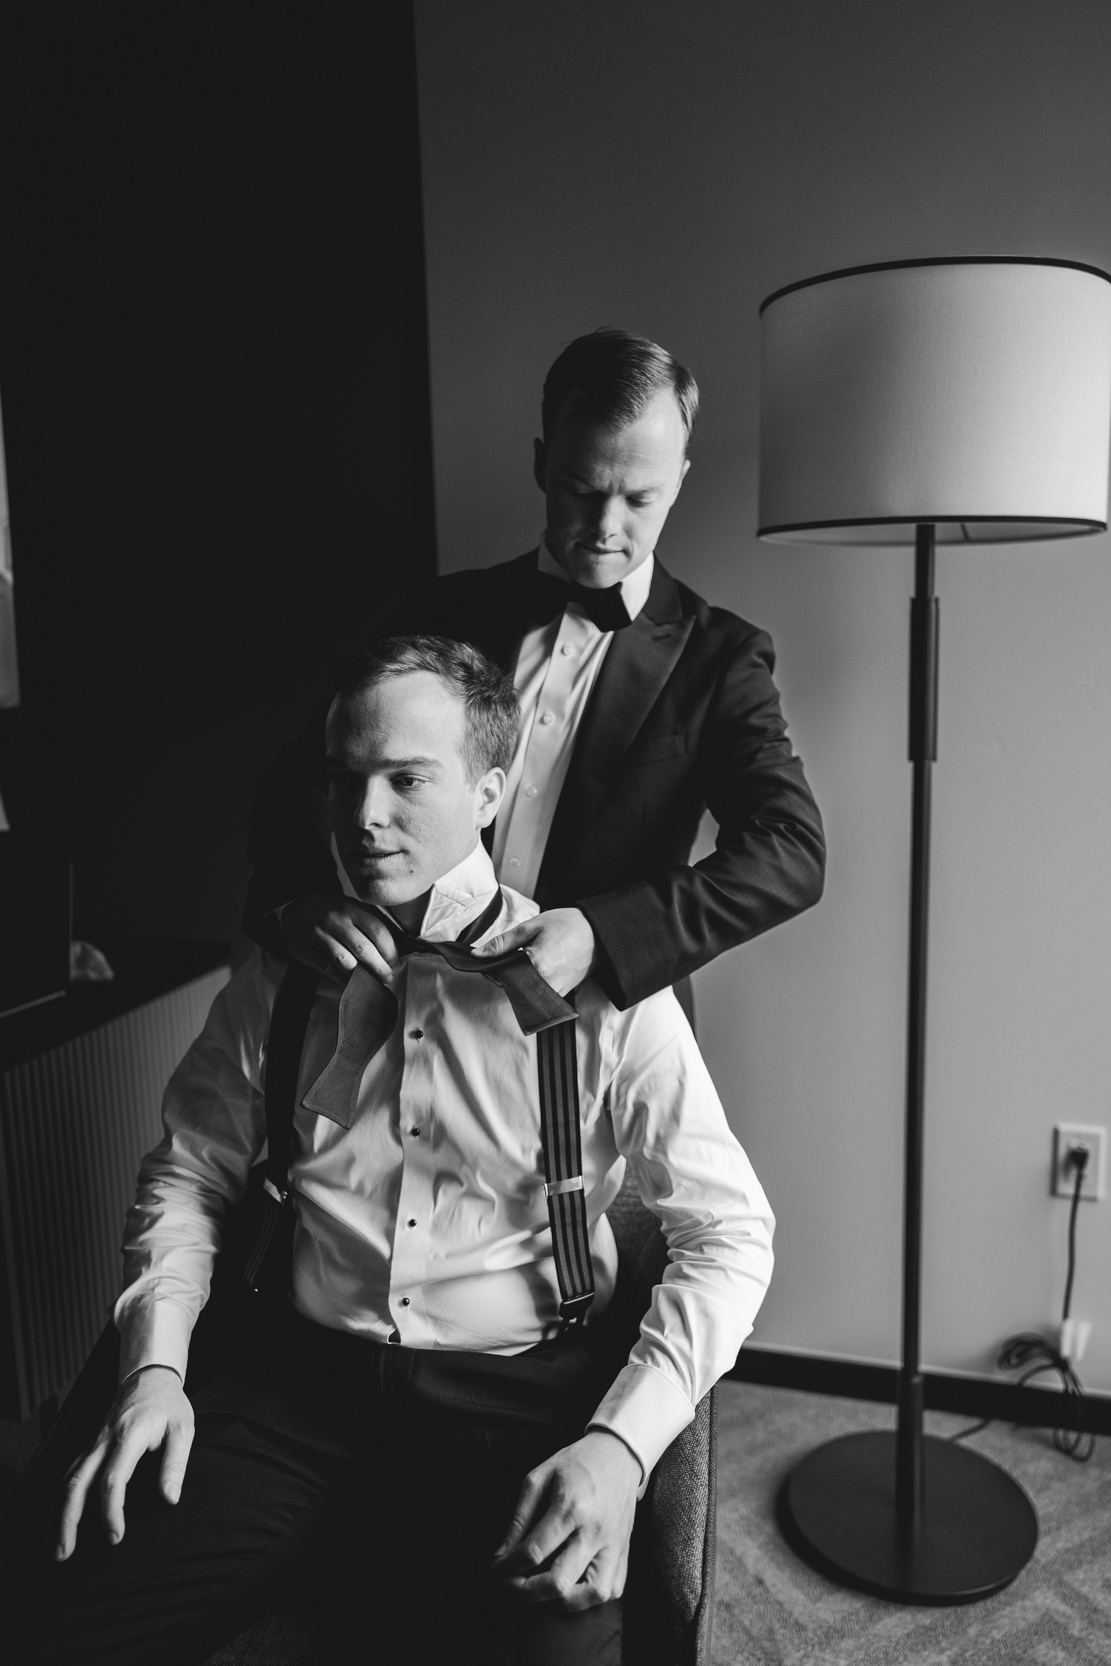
{"x": 368, "y": 1011}
{"x": 605, "y": 607}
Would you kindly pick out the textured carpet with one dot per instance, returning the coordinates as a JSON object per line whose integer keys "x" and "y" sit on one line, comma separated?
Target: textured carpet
{"x": 772, "y": 1610}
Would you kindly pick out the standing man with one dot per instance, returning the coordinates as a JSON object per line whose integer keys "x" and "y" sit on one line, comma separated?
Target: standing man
{"x": 641, "y": 707}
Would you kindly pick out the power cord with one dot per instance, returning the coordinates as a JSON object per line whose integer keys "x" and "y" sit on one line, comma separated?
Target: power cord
{"x": 1032, "y": 1354}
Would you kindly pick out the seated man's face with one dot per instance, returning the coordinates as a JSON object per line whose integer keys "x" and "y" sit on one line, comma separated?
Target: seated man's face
{"x": 402, "y": 809}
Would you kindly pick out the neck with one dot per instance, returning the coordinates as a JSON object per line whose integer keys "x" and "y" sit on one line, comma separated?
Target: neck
{"x": 410, "y": 915}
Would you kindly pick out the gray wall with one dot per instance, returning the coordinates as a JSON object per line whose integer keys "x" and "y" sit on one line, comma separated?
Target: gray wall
{"x": 663, "y": 167}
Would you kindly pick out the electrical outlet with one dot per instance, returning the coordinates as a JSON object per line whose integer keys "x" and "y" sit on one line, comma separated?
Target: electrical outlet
{"x": 1066, "y": 1136}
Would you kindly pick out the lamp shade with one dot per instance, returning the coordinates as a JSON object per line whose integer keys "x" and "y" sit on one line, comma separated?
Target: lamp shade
{"x": 973, "y": 394}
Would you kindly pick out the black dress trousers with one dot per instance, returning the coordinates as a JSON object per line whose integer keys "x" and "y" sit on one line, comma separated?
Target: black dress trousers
{"x": 374, "y": 1482}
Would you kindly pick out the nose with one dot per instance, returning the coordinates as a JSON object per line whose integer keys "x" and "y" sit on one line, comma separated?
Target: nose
{"x": 372, "y": 809}
{"x": 607, "y": 519}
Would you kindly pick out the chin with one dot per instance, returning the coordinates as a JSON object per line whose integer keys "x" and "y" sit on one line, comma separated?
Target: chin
{"x": 598, "y": 572}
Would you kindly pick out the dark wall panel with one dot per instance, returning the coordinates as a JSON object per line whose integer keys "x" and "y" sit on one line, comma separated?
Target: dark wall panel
{"x": 213, "y": 362}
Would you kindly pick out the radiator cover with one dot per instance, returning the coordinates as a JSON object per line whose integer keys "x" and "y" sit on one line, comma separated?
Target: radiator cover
{"x": 75, "y": 1123}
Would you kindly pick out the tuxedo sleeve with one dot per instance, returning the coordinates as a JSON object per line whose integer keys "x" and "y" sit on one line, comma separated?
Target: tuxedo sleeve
{"x": 769, "y": 862}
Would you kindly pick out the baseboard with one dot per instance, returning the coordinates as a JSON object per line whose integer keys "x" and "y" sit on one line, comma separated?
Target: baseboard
{"x": 967, "y": 1396}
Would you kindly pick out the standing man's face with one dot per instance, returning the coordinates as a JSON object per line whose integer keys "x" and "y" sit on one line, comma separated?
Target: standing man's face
{"x": 401, "y": 805}
{"x": 608, "y": 490}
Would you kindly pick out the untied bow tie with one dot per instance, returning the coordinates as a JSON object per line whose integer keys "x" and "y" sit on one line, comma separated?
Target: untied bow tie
{"x": 605, "y": 607}
{"x": 368, "y": 1010}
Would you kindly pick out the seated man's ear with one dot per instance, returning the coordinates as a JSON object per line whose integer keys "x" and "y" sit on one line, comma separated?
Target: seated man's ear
{"x": 489, "y": 791}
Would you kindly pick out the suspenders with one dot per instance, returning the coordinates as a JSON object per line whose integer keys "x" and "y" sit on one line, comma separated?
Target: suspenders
{"x": 268, "y": 1262}
{"x": 561, "y": 1138}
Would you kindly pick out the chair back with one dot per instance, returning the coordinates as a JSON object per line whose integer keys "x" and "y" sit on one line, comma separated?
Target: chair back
{"x": 669, "y": 1598}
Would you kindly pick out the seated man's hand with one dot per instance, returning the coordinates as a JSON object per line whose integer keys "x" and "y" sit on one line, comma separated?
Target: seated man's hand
{"x": 560, "y": 944}
{"x": 334, "y": 934}
{"x": 150, "y": 1411}
{"x": 568, "y": 1541}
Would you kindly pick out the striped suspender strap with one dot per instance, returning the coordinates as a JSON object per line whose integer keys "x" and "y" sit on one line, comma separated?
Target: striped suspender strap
{"x": 288, "y": 1023}
{"x": 561, "y": 1138}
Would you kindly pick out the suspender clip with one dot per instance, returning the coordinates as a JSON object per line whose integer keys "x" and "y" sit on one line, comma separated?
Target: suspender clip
{"x": 557, "y": 1188}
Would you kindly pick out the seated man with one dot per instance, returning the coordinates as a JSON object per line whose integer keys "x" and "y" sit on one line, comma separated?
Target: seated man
{"x": 416, "y": 1441}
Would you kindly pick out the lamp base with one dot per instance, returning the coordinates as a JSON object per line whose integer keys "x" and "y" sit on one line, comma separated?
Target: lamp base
{"x": 976, "y": 1532}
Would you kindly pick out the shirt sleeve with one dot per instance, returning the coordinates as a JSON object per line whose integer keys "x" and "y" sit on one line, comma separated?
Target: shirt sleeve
{"x": 214, "y": 1122}
{"x": 693, "y": 1174}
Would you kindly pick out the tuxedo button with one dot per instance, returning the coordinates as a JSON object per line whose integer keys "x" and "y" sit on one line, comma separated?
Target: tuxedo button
{"x": 531, "y": 792}
{"x": 547, "y": 717}
{"x": 404, "y": 1301}
{"x": 415, "y": 1133}
{"x": 417, "y": 1035}
{"x": 568, "y": 649}
{"x": 514, "y": 861}
{"x": 412, "y": 1221}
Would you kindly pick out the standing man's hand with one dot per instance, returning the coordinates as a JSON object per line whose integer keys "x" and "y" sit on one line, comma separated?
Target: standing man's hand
{"x": 560, "y": 944}
{"x": 151, "y": 1410}
{"x": 334, "y": 934}
{"x": 568, "y": 1541}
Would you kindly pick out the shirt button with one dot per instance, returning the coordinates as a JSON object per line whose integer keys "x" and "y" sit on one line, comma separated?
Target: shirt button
{"x": 411, "y": 1222}
{"x": 415, "y": 1133}
{"x": 514, "y": 861}
{"x": 568, "y": 649}
{"x": 530, "y": 792}
{"x": 547, "y": 717}
{"x": 404, "y": 1301}
{"x": 417, "y": 1035}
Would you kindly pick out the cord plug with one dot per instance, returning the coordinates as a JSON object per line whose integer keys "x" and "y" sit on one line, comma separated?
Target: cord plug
{"x": 1073, "y": 1339}
{"x": 1078, "y": 1158}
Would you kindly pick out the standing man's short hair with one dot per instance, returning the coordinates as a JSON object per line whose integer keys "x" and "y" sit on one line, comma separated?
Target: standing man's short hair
{"x": 491, "y": 712}
{"x": 610, "y": 376}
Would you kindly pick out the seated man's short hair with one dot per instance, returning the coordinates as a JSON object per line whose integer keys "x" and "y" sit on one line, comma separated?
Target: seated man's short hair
{"x": 489, "y": 699}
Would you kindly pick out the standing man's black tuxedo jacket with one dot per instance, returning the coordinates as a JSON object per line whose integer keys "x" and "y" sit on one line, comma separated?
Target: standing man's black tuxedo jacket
{"x": 683, "y": 715}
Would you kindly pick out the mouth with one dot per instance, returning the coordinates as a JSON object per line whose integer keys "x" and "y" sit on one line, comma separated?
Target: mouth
{"x": 371, "y": 858}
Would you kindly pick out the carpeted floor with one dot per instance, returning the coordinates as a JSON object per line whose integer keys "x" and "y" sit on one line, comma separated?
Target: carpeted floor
{"x": 772, "y": 1610}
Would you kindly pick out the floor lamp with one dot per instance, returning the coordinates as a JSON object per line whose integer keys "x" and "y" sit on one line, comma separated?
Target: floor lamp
{"x": 952, "y": 402}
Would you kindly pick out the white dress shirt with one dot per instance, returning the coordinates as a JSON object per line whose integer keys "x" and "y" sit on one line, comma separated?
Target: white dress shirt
{"x": 425, "y": 1222}
{"x": 557, "y": 667}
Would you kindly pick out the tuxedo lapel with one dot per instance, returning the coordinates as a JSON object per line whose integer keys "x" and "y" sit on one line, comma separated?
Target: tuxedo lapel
{"x": 637, "y": 665}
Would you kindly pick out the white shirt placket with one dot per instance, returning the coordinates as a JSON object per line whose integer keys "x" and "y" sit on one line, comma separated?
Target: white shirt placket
{"x": 409, "y": 1263}
{"x": 548, "y": 751}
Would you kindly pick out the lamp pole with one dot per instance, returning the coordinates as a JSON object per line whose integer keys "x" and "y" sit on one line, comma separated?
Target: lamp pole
{"x": 904, "y": 1514}
{"x": 922, "y": 750}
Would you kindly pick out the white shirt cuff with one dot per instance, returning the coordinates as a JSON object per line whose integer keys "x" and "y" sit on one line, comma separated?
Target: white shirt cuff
{"x": 645, "y": 1410}
{"x": 154, "y": 1333}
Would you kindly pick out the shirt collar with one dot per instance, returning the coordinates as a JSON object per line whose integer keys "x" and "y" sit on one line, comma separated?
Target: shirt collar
{"x": 459, "y": 896}
{"x": 634, "y": 589}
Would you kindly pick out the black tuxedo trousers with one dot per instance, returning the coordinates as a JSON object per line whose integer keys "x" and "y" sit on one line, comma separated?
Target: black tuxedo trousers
{"x": 369, "y": 1483}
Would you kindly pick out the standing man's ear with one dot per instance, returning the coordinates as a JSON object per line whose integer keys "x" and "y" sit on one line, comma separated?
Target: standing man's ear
{"x": 539, "y": 463}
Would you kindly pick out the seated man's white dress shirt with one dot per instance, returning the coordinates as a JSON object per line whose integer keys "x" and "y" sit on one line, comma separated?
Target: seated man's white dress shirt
{"x": 425, "y": 1223}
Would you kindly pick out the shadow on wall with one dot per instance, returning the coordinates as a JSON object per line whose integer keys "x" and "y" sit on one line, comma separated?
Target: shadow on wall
{"x": 214, "y": 371}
